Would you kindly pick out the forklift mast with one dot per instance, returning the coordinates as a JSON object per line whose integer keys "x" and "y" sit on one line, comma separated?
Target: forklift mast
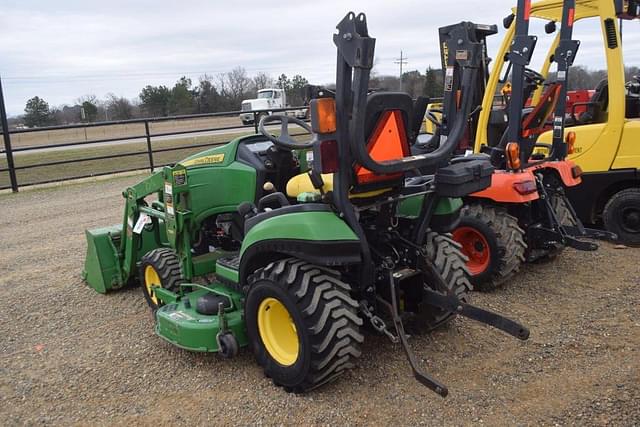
{"x": 450, "y": 57}
{"x": 519, "y": 57}
{"x": 564, "y": 55}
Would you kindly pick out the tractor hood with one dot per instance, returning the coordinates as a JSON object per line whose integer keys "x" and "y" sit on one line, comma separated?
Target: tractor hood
{"x": 260, "y": 103}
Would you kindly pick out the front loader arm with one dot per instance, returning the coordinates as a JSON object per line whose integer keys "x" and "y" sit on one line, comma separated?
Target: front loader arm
{"x": 134, "y": 197}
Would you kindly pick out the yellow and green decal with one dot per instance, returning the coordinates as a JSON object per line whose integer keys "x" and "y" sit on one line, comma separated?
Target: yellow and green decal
{"x": 205, "y": 160}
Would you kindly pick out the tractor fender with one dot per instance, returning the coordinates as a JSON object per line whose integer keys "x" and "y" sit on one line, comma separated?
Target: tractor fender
{"x": 504, "y": 184}
{"x": 316, "y": 236}
{"x": 563, "y": 168}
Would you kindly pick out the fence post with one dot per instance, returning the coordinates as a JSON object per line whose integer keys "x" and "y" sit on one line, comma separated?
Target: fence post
{"x": 255, "y": 121}
{"x": 7, "y": 142}
{"x": 149, "y": 150}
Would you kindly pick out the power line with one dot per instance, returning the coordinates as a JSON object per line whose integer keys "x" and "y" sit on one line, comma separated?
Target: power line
{"x": 402, "y": 61}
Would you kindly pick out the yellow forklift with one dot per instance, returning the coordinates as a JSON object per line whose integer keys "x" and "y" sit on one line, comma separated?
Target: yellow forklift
{"x": 606, "y": 136}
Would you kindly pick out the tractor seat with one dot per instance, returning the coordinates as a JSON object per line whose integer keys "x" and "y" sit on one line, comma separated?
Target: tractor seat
{"x": 302, "y": 184}
{"x": 392, "y": 123}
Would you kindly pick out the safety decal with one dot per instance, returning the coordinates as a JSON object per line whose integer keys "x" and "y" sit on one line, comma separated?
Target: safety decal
{"x": 143, "y": 219}
{"x": 180, "y": 177}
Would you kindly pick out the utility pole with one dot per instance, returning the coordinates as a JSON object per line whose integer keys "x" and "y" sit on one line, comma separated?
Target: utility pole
{"x": 402, "y": 61}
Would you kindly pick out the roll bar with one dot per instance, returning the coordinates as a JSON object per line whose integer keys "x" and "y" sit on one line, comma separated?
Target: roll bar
{"x": 355, "y": 55}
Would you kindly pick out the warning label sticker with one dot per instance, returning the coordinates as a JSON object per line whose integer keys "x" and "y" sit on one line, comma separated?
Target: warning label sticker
{"x": 143, "y": 219}
{"x": 448, "y": 79}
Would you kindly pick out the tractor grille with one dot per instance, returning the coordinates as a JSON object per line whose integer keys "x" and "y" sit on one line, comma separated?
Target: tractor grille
{"x": 246, "y": 106}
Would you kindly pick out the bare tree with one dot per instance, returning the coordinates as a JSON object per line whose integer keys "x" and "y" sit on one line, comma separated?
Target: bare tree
{"x": 119, "y": 108}
{"x": 207, "y": 96}
{"x": 222, "y": 85}
{"x": 238, "y": 84}
{"x": 88, "y": 98}
{"x": 413, "y": 83}
{"x": 262, "y": 81}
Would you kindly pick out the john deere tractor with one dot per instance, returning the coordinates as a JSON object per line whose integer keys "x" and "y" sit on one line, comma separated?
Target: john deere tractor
{"x": 299, "y": 244}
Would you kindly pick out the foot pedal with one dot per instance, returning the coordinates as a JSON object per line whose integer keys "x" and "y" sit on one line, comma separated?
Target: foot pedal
{"x": 227, "y": 268}
{"x": 232, "y": 262}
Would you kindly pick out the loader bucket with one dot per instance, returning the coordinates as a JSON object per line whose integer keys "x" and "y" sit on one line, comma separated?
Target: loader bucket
{"x": 102, "y": 270}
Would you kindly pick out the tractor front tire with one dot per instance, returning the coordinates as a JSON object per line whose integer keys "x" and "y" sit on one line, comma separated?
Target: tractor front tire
{"x": 622, "y": 216}
{"x": 302, "y": 323}
{"x": 159, "y": 267}
{"x": 493, "y": 242}
{"x": 446, "y": 256}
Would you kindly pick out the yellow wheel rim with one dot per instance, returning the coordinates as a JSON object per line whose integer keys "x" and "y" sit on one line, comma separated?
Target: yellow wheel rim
{"x": 278, "y": 332}
{"x": 151, "y": 279}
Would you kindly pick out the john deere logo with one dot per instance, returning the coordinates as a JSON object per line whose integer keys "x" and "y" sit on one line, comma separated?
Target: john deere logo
{"x": 205, "y": 160}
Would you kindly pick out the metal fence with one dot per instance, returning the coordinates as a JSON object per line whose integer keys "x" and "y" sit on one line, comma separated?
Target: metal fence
{"x": 146, "y": 136}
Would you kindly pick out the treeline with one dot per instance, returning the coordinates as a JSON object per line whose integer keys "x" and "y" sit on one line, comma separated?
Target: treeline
{"x": 223, "y": 92}
{"x": 413, "y": 82}
{"x": 582, "y": 78}
{"x": 210, "y": 94}
{"x": 226, "y": 91}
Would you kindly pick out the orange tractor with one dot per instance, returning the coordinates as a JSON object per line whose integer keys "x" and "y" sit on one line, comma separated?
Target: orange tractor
{"x": 524, "y": 215}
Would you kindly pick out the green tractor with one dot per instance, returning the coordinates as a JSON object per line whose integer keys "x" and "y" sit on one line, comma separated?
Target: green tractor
{"x": 307, "y": 242}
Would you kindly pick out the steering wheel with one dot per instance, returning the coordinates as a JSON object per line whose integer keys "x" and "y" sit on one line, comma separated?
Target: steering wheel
{"x": 534, "y": 76}
{"x": 285, "y": 140}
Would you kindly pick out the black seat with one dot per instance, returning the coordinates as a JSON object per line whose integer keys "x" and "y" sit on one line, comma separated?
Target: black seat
{"x": 381, "y": 108}
{"x": 596, "y": 107}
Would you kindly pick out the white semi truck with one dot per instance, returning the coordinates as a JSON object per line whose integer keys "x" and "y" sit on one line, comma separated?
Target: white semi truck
{"x": 268, "y": 100}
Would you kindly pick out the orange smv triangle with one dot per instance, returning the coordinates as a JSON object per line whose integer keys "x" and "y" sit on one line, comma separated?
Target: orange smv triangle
{"x": 388, "y": 142}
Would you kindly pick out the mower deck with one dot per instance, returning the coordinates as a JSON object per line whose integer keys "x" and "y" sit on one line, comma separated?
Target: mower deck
{"x": 184, "y": 324}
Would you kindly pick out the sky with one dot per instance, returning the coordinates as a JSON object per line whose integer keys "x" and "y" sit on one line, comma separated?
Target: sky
{"x": 65, "y": 49}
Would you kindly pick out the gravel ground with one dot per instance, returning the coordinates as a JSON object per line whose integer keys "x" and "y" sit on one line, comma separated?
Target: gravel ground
{"x": 72, "y": 356}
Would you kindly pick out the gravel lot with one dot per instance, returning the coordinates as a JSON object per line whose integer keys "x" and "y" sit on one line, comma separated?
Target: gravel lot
{"x": 72, "y": 356}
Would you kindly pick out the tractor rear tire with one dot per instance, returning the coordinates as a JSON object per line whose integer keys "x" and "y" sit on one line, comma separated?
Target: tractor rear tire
{"x": 445, "y": 254}
{"x": 160, "y": 267}
{"x": 493, "y": 242}
{"x": 622, "y": 216}
{"x": 302, "y": 324}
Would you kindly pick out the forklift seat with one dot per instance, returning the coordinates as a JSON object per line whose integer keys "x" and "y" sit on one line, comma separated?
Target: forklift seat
{"x": 596, "y": 107}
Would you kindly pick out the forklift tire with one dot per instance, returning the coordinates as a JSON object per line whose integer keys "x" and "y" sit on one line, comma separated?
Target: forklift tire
{"x": 302, "y": 324}
{"x": 622, "y": 216}
{"x": 446, "y": 256}
{"x": 493, "y": 242}
{"x": 160, "y": 267}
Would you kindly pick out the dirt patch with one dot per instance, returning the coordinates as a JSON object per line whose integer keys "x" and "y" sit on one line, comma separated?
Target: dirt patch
{"x": 72, "y": 356}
